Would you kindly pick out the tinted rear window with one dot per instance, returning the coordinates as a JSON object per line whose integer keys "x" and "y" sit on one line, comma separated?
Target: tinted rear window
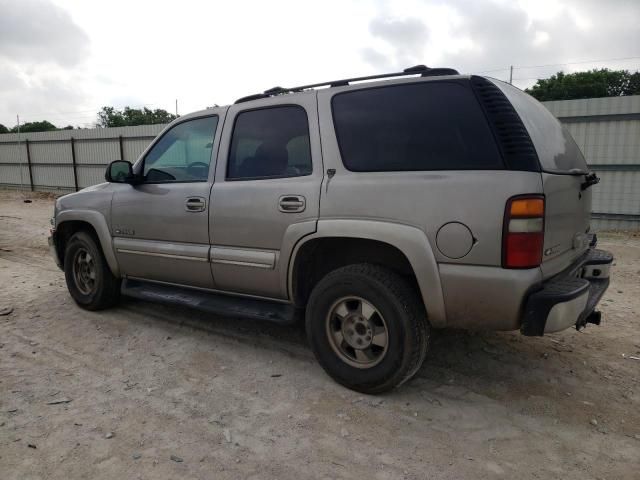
{"x": 270, "y": 142}
{"x": 557, "y": 150}
{"x": 418, "y": 126}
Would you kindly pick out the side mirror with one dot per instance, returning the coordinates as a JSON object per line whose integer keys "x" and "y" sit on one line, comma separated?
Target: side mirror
{"x": 119, "y": 171}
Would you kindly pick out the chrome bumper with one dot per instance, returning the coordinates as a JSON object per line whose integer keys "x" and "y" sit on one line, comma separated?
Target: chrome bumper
{"x": 570, "y": 298}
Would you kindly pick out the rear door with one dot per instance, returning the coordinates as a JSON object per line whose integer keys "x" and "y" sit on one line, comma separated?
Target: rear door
{"x": 567, "y": 205}
{"x": 266, "y": 192}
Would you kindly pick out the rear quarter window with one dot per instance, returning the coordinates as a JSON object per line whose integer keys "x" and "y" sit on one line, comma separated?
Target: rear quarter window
{"x": 557, "y": 150}
{"x": 419, "y": 126}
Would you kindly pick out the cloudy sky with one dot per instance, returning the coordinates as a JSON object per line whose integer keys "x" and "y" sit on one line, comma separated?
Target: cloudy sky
{"x": 62, "y": 60}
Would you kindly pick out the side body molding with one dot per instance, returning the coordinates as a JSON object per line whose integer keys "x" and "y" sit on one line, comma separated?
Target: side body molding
{"x": 97, "y": 220}
{"x": 411, "y": 241}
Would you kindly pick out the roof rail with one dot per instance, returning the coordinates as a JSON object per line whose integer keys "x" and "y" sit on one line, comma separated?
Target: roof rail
{"x": 421, "y": 70}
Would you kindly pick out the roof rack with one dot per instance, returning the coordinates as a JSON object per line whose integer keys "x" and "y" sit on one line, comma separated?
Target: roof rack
{"x": 422, "y": 70}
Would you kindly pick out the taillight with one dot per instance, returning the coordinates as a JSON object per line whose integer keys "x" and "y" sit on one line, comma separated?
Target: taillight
{"x": 523, "y": 236}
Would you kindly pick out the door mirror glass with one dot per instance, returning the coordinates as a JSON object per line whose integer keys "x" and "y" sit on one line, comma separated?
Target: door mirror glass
{"x": 119, "y": 171}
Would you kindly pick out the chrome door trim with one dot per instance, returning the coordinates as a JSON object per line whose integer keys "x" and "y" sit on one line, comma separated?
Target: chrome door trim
{"x": 163, "y": 255}
{"x": 243, "y": 257}
{"x": 241, "y": 264}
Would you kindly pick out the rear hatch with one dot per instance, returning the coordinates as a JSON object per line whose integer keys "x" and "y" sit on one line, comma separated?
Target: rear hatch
{"x": 564, "y": 170}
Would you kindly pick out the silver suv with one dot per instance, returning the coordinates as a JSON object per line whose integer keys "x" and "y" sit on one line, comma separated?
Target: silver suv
{"x": 377, "y": 207}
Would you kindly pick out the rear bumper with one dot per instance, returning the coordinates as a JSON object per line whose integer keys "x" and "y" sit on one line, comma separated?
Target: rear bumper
{"x": 570, "y": 298}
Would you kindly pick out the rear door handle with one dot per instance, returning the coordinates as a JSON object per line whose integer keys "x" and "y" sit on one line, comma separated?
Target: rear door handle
{"x": 292, "y": 203}
{"x": 195, "y": 204}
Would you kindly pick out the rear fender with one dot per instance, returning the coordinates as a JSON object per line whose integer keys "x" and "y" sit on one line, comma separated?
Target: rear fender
{"x": 411, "y": 241}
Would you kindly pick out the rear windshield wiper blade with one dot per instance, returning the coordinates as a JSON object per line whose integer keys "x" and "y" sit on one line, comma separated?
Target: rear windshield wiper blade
{"x": 589, "y": 180}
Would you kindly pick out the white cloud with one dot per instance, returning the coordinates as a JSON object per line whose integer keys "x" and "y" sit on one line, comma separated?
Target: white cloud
{"x": 201, "y": 52}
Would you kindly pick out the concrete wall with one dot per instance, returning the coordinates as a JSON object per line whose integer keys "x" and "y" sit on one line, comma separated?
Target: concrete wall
{"x": 606, "y": 129}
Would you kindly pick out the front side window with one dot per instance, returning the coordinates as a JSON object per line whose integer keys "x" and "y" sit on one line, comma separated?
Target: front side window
{"x": 270, "y": 143}
{"x": 183, "y": 154}
{"x": 417, "y": 126}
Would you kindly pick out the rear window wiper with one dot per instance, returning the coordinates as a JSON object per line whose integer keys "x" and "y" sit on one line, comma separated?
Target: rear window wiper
{"x": 589, "y": 180}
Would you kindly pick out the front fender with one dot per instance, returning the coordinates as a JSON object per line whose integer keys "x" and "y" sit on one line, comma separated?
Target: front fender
{"x": 99, "y": 224}
{"x": 411, "y": 241}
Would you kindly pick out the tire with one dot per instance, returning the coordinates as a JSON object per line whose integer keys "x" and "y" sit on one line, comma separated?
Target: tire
{"x": 89, "y": 278}
{"x": 333, "y": 313}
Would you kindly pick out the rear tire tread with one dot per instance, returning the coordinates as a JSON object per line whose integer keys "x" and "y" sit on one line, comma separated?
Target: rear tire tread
{"x": 406, "y": 298}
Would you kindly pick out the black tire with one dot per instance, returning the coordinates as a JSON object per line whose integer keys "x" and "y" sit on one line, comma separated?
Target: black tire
{"x": 104, "y": 289}
{"x": 404, "y": 318}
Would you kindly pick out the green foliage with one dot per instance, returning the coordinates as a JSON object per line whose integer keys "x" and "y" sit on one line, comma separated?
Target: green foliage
{"x": 43, "y": 126}
{"x": 3, "y": 129}
{"x": 590, "y": 84}
{"x": 111, "y": 117}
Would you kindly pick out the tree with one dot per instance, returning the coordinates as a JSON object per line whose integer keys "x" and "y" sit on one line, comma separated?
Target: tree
{"x": 43, "y": 126}
{"x": 590, "y": 84}
{"x": 3, "y": 129}
{"x": 111, "y": 117}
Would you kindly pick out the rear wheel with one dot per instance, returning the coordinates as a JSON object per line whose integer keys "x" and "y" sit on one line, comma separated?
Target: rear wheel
{"x": 367, "y": 327}
{"x": 89, "y": 279}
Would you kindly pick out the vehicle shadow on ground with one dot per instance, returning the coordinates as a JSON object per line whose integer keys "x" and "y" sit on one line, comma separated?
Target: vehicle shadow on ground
{"x": 487, "y": 360}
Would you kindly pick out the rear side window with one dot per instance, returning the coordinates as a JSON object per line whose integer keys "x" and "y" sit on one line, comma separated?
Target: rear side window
{"x": 557, "y": 150}
{"x": 270, "y": 143}
{"x": 419, "y": 126}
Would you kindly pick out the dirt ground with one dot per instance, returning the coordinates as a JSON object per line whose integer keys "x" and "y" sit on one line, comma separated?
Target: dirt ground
{"x": 149, "y": 391}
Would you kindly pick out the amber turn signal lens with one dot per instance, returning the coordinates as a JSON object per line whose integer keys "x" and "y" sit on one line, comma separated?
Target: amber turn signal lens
{"x": 527, "y": 207}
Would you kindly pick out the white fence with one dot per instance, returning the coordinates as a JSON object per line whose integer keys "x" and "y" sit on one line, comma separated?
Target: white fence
{"x": 606, "y": 129}
{"x": 608, "y": 132}
{"x": 68, "y": 160}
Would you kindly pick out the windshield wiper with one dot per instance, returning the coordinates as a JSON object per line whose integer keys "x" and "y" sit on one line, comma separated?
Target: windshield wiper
{"x": 589, "y": 180}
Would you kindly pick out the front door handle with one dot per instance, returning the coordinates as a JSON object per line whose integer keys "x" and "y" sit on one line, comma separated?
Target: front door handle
{"x": 195, "y": 204}
{"x": 292, "y": 203}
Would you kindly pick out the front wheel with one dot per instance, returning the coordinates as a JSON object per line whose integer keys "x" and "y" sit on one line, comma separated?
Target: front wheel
{"x": 89, "y": 278}
{"x": 367, "y": 327}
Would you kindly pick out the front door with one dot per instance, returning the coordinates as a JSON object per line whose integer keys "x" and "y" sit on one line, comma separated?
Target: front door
{"x": 161, "y": 226}
{"x": 266, "y": 194}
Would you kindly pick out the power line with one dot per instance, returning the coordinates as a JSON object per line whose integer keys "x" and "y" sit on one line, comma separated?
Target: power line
{"x": 522, "y": 67}
{"x": 577, "y": 63}
{"x": 502, "y": 69}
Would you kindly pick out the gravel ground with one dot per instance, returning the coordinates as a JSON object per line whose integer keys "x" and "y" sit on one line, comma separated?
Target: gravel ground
{"x": 149, "y": 391}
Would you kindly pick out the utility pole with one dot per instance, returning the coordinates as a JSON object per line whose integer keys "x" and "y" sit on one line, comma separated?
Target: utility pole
{"x": 511, "y": 74}
{"x": 20, "y": 156}
{"x": 176, "y": 107}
